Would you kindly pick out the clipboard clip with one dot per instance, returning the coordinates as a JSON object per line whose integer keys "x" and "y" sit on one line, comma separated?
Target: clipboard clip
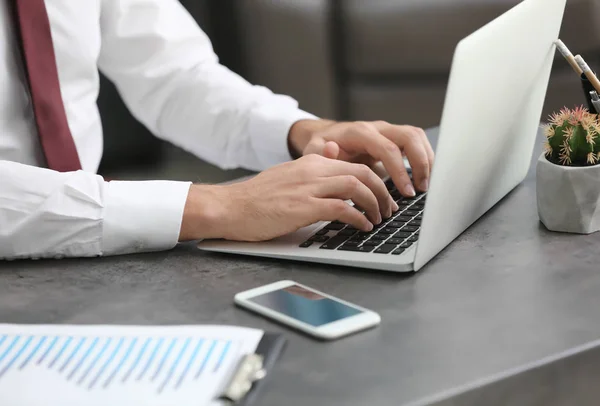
{"x": 249, "y": 370}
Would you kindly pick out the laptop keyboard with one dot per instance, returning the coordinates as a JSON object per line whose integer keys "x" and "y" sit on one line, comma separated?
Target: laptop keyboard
{"x": 393, "y": 236}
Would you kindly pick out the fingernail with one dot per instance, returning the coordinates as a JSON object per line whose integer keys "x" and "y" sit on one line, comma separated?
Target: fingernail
{"x": 409, "y": 190}
{"x": 379, "y": 219}
{"x": 369, "y": 226}
{"x": 425, "y": 185}
{"x": 395, "y": 206}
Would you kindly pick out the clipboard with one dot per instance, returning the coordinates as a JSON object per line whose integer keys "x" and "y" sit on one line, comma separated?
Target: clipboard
{"x": 252, "y": 373}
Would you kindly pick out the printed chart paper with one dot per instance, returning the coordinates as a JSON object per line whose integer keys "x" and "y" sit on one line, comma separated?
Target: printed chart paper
{"x": 119, "y": 365}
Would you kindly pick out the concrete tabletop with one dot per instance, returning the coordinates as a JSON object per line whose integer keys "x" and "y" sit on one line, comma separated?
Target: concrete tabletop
{"x": 507, "y": 314}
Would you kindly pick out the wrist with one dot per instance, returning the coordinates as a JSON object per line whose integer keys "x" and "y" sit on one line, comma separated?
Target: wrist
{"x": 205, "y": 209}
{"x": 302, "y": 132}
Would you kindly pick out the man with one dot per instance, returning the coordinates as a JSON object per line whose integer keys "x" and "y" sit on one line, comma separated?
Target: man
{"x": 52, "y": 204}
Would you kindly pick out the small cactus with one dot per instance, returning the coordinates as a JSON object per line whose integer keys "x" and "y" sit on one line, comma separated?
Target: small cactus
{"x": 572, "y": 138}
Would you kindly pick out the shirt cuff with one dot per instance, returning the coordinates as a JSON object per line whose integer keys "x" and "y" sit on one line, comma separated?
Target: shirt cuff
{"x": 142, "y": 216}
{"x": 269, "y": 127}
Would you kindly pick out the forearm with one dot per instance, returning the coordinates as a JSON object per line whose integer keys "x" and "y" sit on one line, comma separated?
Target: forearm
{"x": 170, "y": 78}
{"x": 46, "y": 214}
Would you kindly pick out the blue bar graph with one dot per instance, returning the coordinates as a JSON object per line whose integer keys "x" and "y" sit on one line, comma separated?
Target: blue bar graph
{"x": 174, "y": 366}
{"x": 82, "y": 360}
{"x": 98, "y": 363}
{"x": 151, "y": 359}
{"x": 137, "y": 360}
{"x": 33, "y": 352}
{"x": 16, "y": 356}
{"x": 164, "y": 359}
{"x": 48, "y": 350}
{"x": 73, "y": 353}
{"x": 107, "y": 363}
{"x": 189, "y": 363}
{"x": 61, "y": 351}
{"x": 222, "y": 357}
{"x": 10, "y": 347}
{"x": 120, "y": 364}
{"x": 206, "y": 359}
{"x": 95, "y": 361}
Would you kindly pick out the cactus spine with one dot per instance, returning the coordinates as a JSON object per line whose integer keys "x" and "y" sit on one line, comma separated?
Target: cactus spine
{"x": 572, "y": 138}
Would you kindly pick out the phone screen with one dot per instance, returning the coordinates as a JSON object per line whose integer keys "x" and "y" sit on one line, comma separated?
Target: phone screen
{"x": 305, "y": 305}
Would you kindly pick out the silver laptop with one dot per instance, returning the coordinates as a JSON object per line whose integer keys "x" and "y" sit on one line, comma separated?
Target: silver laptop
{"x": 492, "y": 111}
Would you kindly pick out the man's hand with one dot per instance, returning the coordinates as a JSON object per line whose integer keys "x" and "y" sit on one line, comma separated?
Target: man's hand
{"x": 368, "y": 143}
{"x": 286, "y": 198}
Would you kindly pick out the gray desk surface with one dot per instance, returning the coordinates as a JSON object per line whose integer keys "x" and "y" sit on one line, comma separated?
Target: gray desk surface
{"x": 506, "y": 294}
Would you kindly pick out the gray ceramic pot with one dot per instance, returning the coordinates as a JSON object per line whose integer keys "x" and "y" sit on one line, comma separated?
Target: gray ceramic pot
{"x": 568, "y": 198}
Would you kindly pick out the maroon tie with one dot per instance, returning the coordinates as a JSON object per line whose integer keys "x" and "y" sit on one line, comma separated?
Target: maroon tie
{"x": 42, "y": 73}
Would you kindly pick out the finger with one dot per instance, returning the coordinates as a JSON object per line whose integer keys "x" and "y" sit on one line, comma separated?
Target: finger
{"x": 365, "y": 175}
{"x": 315, "y": 146}
{"x": 348, "y": 187}
{"x": 409, "y": 140}
{"x": 428, "y": 147}
{"x": 331, "y": 150}
{"x": 369, "y": 139}
{"x": 328, "y": 149}
{"x": 335, "y": 209}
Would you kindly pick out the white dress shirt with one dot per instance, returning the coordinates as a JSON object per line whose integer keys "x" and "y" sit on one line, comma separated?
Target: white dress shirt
{"x": 168, "y": 75}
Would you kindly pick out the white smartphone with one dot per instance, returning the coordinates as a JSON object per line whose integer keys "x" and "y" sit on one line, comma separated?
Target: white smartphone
{"x": 308, "y": 310}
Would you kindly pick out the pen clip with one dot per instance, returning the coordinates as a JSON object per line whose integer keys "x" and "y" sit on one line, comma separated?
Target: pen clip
{"x": 249, "y": 370}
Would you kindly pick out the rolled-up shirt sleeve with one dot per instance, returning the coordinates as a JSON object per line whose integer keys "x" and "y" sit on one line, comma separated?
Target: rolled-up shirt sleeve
{"x": 47, "y": 214}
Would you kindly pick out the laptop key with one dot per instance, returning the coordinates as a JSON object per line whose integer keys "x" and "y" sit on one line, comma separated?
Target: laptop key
{"x": 387, "y": 230}
{"x": 402, "y": 234}
{"x": 385, "y": 249}
{"x": 322, "y": 232}
{"x": 334, "y": 242}
{"x": 410, "y": 228}
{"x": 319, "y": 238}
{"x": 396, "y": 224}
{"x": 398, "y": 251}
{"x": 352, "y": 243}
{"x": 334, "y": 226}
{"x": 415, "y": 222}
{"x": 413, "y": 238}
{"x": 406, "y": 244}
{"x": 347, "y": 232}
{"x": 403, "y": 218}
{"x": 306, "y": 244}
{"x": 379, "y": 237}
{"x": 395, "y": 241}
{"x": 356, "y": 249}
{"x": 372, "y": 243}
{"x": 411, "y": 212}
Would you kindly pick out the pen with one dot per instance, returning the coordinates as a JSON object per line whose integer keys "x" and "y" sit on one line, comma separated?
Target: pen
{"x": 568, "y": 56}
{"x": 595, "y": 100}
{"x": 588, "y": 72}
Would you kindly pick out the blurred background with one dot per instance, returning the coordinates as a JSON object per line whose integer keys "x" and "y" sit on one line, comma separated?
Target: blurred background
{"x": 341, "y": 59}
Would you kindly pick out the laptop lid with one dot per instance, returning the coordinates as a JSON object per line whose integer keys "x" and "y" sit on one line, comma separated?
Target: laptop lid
{"x": 492, "y": 111}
